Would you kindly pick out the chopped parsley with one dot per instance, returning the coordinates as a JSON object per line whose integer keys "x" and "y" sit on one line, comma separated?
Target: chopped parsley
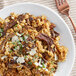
{"x": 16, "y": 48}
{"x": 23, "y": 38}
{"x": 10, "y": 51}
{"x": 39, "y": 67}
{"x": 1, "y": 30}
{"x": 52, "y": 69}
{"x": 14, "y": 43}
{"x": 0, "y": 34}
{"x": 33, "y": 59}
{"x": 36, "y": 56}
{"x": 43, "y": 65}
{"x": 30, "y": 63}
{"x": 25, "y": 56}
{"x": 19, "y": 43}
{"x": 52, "y": 62}
{"x": 16, "y": 25}
{"x": 22, "y": 34}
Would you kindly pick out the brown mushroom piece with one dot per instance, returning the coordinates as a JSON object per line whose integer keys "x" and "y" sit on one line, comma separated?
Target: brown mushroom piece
{"x": 47, "y": 39}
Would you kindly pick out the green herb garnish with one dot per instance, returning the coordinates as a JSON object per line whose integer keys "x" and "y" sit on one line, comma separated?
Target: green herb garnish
{"x": 27, "y": 35}
{"x": 52, "y": 69}
{"x": 52, "y": 62}
{"x": 36, "y": 56}
{"x": 23, "y": 38}
{"x": 16, "y": 48}
{"x": 0, "y": 34}
{"x": 30, "y": 63}
{"x": 16, "y": 25}
{"x": 33, "y": 59}
{"x": 22, "y": 34}
{"x": 19, "y": 43}
{"x": 10, "y": 51}
{"x": 21, "y": 47}
{"x": 1, "y": 29}
{"x": 25, "y": 56}
{"x": 14, "y": 43}
{"x": 39, "y": 67}
{"x": 43, "y": 65}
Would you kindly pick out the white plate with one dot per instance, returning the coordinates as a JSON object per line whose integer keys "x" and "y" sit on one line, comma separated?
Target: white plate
{"x": 66, "y": 37}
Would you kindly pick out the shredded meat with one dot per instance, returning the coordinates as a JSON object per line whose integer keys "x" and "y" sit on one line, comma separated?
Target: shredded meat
{"x": 47, "y": 39}
{"x": 30, "y": 19}
{"x": 35, "y": 72}
{"x": 4, "y": 41}
{"x": 21, "y": 17}
{"x": 54, "y": 34}
{"x": 14, "y": 72}
{"x": 52, "y": 26}
{"x": 45, "y": 56}
{"x": 38, "y": 28}
{"x": 10, "y": 24}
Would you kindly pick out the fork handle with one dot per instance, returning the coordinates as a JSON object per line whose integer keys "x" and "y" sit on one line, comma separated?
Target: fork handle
{"x": 74, "y": 26}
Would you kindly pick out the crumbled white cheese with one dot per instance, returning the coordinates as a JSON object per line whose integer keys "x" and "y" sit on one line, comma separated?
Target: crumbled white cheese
{"x": 56, "y": 58}
{"x": 20, "y": 60}
{"x": 3, "y": 57}
{"x": 33, "y": 51}
{"x": 12, "y": 17}
{"x": 46, "y": 69}
{"x": 21, "y": 39}
{"x": 15, "y": 38}
{"x": 15, "y": 57}
{"x": 38, "y": 64}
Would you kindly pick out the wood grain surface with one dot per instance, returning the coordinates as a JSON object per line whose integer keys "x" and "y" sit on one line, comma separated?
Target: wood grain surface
{"x": 51, "y": 4}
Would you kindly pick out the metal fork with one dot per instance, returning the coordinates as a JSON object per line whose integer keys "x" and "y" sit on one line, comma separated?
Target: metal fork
{"x": 63, "y": 8}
